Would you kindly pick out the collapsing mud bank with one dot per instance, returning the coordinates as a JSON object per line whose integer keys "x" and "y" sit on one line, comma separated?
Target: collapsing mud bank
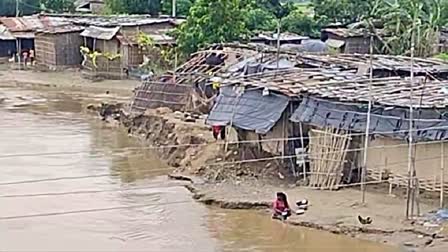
{"x": 186, "y": 143}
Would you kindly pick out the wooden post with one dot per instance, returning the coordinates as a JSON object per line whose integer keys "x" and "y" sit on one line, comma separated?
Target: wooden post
{"x": 367, "y": 134}
{"x": 302, "y": 142}
{"x": 410, "y": 186}
{"x": 442, "y": 174}
{"x": 19, "y": 53}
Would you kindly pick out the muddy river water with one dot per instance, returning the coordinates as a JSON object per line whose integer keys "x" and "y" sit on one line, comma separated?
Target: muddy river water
{"x": 108, "y": 193}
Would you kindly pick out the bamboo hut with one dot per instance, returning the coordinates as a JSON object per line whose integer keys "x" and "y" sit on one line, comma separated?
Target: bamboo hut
{"x": 329, "y": 110}
{"x": 59, "y": 47}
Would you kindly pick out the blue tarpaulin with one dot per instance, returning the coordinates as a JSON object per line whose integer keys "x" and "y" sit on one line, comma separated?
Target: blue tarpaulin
{"x": 429, "y": 124}
{"x": 250, "y": 111}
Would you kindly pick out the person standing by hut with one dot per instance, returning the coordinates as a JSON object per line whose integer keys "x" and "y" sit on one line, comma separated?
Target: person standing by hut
{"x": 25, "y": 57}
{"x": 219, "y": 131}
{"x": 32, "y": 56}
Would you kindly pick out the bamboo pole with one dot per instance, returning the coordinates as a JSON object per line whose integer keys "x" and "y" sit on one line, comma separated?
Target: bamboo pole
{"x": 302, "y": 142}
{"x": 366, "y": 138}
{"x": 409, "y": 189}
{"x": 278, "y": 44}
{"x": 442, "y": 174}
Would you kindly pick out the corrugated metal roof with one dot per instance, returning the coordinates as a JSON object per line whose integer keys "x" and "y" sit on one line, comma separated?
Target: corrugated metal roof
{"x": 115, "y": 20}
{"x": 5, "y": 34}
{"x": 62, "y": 29}
{"x": 20, "y": 24}
{"x": 100, "y": 32}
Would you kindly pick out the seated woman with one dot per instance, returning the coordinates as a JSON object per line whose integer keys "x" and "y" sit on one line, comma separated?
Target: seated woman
{"x": 281, "y": 207}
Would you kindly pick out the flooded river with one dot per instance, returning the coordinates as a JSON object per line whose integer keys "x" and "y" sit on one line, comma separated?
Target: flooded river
{"x": 70, "y": 183}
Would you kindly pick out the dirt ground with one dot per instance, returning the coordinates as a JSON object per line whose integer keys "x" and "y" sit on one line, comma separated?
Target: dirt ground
{"x": 334, "y": 211}
{"x": 70, "y": 79}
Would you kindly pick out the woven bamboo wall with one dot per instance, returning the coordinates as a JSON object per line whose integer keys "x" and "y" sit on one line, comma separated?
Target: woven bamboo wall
{"x": 390, "y": 156}
{"x": 62, "y": 49}
{"x": 154, "y": 95}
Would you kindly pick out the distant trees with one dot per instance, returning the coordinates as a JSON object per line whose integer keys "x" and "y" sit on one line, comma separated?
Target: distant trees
{"x": 133, "y": 6}
{"x": 57, "y": 5}
{"x": 27, "y": 7}
{"x": 211, "y": 21}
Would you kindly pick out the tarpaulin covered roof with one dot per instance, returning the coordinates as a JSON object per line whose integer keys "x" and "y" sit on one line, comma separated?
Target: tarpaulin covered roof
{"x": 250, "y": 110}
{"x": 100, "y": 32}
{"x": 384, "y": 120}
{"x": 273, "y": 36}
{"x": 311, "y": 46}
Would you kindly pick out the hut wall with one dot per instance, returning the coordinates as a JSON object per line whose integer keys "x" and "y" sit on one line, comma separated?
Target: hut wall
{"x": 135, "y": 57}
{"x": 45, "y": 49}
{"x": 357, "y": 45}
{"x": 7, "y": 47}
{"x": 394, "y": 159}
{"x": 58, "y": 49}
{"x": 277, "y": 146}
{"x": 110, "y": 46}
{"x": 132, "y": 31}
{"x": 110, "y": 69}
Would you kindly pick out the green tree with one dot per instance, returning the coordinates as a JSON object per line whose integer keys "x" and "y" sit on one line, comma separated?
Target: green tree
{"x": 260, "y": 20}
{"x": 276, "y": 7}
{"x": 133, "y": 7}
{"x": 57, "y": 5}
{"x": 300, "y": 23}
{"x": 341, "y": 11}
{"x": 182, "y": 7}
{"x": 407, "y": 20}
{"x": 155, "y": 7}
{"x": 26, "y": 7}
{"x": 212, "y": 21}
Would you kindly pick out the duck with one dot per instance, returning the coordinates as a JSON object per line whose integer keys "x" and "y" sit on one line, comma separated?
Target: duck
{"x": 365, "y": 221}
{"x": 302, "y": 204}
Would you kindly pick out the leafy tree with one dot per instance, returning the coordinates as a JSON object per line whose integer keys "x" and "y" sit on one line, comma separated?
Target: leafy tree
{"x": 26, "y": 7}
{"x": 300, "y": 23}
{"x": 182, "y": 7}
{"x": 341, "y": 11}
{"x": 133, "y": 6}
{"x": 212, "y": 21}
{"x": 276, "y": 7}
{"x": 57, "y": 5}
{"x": 154, "y": 7}
{"x": 260, "y": 20}
{"x": 407, "y": 20}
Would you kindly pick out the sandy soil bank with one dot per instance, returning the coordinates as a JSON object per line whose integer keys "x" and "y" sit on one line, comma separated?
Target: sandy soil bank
{"x": 70, "y": 79}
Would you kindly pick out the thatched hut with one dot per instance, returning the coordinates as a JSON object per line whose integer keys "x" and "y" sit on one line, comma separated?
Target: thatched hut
{"x": 59, "y": 47}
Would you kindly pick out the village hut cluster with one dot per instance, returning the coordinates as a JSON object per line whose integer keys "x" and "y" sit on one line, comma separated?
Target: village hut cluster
{"x": 110, "y": 43}
{"x": 312, "y": 111}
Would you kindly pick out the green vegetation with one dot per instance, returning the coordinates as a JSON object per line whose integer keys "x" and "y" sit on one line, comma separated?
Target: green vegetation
{"x": 212, "y": 21}
{"x": 27, "y": 7}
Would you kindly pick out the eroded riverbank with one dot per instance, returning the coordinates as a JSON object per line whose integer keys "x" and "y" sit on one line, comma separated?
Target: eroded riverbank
{"x": 49, "y": 120}
{"x": 236, "y": 188}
